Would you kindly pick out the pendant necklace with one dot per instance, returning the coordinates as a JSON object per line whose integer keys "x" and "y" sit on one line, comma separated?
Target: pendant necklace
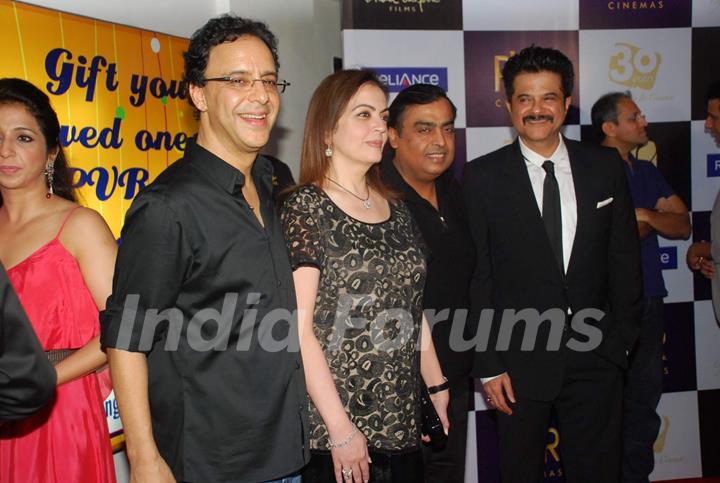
{"x": 365, "y": 201}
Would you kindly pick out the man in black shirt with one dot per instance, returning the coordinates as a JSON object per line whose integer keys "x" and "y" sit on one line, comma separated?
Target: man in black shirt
{"x": 27, "y": 379}
{"x": 421, "y": 130}
{"x": 282, "y": 180}
{"x": 203, "y": 349}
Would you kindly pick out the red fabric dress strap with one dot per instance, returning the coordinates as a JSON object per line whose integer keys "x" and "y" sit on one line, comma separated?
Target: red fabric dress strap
{"x": 67, "y": 217}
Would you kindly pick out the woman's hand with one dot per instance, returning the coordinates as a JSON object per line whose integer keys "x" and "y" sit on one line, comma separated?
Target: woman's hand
{"x": 352, "y": 461}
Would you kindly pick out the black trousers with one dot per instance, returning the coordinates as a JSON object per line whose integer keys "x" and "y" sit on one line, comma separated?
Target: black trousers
{"x": 385, "y": 468}
{"x": 589, "y": 411}
{"x": 643, "y": 389}
{"x": 448, "y": 465}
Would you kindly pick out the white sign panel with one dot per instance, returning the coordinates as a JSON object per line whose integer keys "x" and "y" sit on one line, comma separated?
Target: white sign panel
{"x": 521, "y": 15}
{"x": 707, "y": 344}
{"x": 677, "y": 448}
{"x": 653, "y": 64}
{"x": 409, "y": 57}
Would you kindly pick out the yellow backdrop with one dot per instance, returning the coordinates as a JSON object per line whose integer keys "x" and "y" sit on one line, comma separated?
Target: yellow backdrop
{"x": 116, "y": 90}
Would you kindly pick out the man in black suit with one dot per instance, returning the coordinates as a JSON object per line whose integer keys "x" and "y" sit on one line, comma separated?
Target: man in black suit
{"x": 554, "y": 228}
{"x": 27, "y": 380}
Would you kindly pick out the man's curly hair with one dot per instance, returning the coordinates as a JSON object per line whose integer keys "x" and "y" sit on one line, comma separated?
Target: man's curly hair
{"x": 225, "y": 28}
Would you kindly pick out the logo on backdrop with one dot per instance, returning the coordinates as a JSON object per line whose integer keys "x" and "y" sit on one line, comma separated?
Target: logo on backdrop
{"x": 624, "y": 14}
{"x": 659, "y": 445}
{"x": 553, "y": 464}
{"x": 631, "y": 66}
{"x": 398, "y": 78}
{"x": 498, "y": 64}
{"x": 713, "y": 165}
{"x": 646, "y": 152}
{"x": 641, "y": 5}
{"x": 486, "y": 53}
{"x": 406, "y": 6}
{"x": 668, "y": 258}
{"x": 402, "y": 14}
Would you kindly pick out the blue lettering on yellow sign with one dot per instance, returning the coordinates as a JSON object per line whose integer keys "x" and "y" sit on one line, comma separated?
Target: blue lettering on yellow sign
{"x": 132, "y": 180}
{"x": 140, "y": 85}
{"x": 89, "y": 137}
{"x": 60, "y": 68}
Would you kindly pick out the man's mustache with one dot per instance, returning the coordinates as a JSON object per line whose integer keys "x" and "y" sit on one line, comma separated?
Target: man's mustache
{"x": 541, "y": 117}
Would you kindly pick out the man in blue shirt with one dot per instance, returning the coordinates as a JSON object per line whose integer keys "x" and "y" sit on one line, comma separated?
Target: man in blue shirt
{"x": 618, "y": 122}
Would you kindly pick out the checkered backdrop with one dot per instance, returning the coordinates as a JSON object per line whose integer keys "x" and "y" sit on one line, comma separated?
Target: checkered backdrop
{"x": 665, "y": 52}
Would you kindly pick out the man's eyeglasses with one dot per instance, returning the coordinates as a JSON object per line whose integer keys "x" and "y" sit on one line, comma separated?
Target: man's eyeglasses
{"x": 244, "y": 83}
{"x": 636, "y": 117}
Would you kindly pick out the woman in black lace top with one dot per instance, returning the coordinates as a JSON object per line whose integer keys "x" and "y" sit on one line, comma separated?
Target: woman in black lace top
{"x": 359, "y": 271}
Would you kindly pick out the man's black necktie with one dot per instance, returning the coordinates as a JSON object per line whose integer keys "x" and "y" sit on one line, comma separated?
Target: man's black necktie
{"x": 551, "y": 212}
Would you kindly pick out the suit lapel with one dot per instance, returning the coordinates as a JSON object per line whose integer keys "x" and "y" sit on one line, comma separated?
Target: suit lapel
{"x": 521, "y": 189}
{"x": 522, "y": 199}
{"x": 583, "y": 184}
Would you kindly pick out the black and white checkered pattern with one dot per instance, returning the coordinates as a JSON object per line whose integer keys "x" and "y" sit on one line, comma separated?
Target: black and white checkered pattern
{"x": 665, "y": 52}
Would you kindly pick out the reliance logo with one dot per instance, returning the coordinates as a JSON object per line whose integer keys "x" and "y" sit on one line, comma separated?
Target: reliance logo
{"x": 668, "y": 258}
{"x": 713, "y": 165}
{"x": 398, "y": 78}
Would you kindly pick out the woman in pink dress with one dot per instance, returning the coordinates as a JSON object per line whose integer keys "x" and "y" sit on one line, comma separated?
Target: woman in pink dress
{"x": 59, "y": 257}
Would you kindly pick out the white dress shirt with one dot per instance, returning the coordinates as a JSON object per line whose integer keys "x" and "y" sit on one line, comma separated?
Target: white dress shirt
{"x": 568, "y": 202}
{"x": 563, "y": 174}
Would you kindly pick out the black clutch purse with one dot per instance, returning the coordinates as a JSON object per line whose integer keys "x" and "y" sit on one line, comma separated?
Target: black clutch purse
{"x": 431, "y": 424}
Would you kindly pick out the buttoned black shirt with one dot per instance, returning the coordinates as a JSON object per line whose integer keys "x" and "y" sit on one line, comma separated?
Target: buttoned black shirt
{"x": 450, "y": 265}
{"x": 226, "y": 386}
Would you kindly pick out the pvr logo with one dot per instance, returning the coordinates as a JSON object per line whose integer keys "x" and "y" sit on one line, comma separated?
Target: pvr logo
{"x": 713, "y": 165}
{"x": 631, "y": 66}
{"x": 553, "y": 466}
{"x": 498, "y": 64}
{"x": 659, "y": 445}
{"x": 398, "y": 78}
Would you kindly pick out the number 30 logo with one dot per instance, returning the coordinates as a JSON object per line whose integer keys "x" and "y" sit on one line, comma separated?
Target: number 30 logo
{"x": 634, "y": 67}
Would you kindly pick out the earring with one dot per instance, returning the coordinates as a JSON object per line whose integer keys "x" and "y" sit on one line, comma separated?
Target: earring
{"x": 50, "y": 177}
{"x": 328, "y": 151}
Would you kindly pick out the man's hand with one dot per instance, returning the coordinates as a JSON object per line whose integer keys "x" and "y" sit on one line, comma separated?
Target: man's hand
{"x": 698, "y": 258}
{"x": 642, "y": 215}
{"x": 707, "y": 268}
{"x": 153, "y": 470}
{"x": 496, "y": 391}
{"x": 644, "y": 229}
